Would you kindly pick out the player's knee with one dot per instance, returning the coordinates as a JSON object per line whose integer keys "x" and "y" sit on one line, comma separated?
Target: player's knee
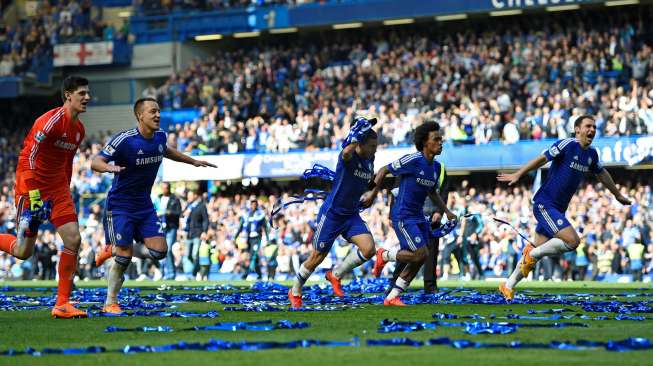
{"x": 420, "y": 255}
{"x": 571, "y": 239}
{"x": 157, "y": 254}
{"x": 368, "y": 252}
{"x": 73, "y": 240}
{"x": 122, "y": 260}
{"x": 24, "y": 253}
{"x": 573, "y": 242}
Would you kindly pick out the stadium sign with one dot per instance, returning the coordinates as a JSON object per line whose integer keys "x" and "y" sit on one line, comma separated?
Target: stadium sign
{"x": 508, "y": 4}
{"x": 230, "y": 167}
{"x": 613, "y": 151}
{"x": 82, "y": 54}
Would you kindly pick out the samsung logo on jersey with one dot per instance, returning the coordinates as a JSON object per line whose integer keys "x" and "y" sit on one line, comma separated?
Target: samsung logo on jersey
{"x": 579, "y": 167}
{"x": 363, "y": 174}
{"x": 425, "y": 182}
{"x": 150, "y": 160}
{"x": 65, "y": 145}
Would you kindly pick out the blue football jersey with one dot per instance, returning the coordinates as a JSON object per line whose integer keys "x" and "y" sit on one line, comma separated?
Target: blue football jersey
{"x": 141, "y": 158}
{"x": 569, "y": 164}
{"x": 351, "y": 181}
{"x": 417, "y": 177}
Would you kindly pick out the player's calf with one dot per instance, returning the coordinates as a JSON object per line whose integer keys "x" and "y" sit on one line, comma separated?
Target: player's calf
{"x": 418, "y": 256}
{"x": 116, "y": 277}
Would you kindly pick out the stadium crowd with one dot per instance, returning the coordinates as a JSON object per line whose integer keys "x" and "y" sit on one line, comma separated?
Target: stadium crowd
{"x": 615, "y": 240}
{"x": 27, "y": 46}
{"x": 157, "y": 7}
{"x": 507, "y": 85}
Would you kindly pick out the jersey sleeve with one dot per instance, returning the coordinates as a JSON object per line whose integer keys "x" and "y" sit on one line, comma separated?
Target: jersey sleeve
{"x": 557, "y": 150}
{"x": 46, "y": 130}
{"x": 405, "y": 165}
{"x": 112, "y": 149}
{"x": 595, "y": 166}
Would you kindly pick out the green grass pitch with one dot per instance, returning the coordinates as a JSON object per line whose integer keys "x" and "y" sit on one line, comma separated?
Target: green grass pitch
{"x": 36, "y": 329}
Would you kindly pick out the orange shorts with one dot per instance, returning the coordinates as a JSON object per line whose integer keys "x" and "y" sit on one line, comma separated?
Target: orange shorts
{"x": 63, "y": 209}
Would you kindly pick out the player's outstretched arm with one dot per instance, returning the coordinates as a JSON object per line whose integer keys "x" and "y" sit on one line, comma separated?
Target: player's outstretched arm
{"x": 513, "y": 178}
{"x": 176, "y": 155}
{"x": 605, "y": 178}
{"x": 100, "y": 165}
{"x": 368, "y": 197}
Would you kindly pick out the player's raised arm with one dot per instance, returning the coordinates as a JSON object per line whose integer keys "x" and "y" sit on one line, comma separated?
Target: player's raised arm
{"x": 101, "y": 165}
{"x": 348, "y": 151}
{"x": 358, "y": 133}
{"x": 604, "y": 177}
{"x": 176, "y": 155}
{"x": 535, "y": 163}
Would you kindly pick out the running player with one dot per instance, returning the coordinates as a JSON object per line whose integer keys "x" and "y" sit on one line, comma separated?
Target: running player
{"x": 433, "y": 214}
{"x": 419, "y": 178}
{"x": 137, "y": 154}
{"x": 339, "y": 214}
{"x": 43, "y": 179}
{"x": 570, "y": 160}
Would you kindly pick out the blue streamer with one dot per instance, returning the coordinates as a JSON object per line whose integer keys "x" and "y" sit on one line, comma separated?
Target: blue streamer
{"x": 158, "y": 329}
{"x": 490, "y": 328}
{"x": 319, "y": 171}
{"x": 390, "y": 326}
{"x": 266, "y": 325}
{"x": 444, "y": 229}
{"x": 629, "y": 344}
{"x": 625, "y": 345}
{"x": 211, "y": 346}
{"x": 162, "y": 314}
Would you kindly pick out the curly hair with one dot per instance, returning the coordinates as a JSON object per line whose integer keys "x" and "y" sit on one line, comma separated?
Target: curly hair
{"x": 421, "y": 133}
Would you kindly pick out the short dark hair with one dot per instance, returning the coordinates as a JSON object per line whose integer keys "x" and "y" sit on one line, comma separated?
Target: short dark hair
{"x": 371, "y": 134}
{"x": 138, "y": 105}
{"x": 580, "y": 119}
{"x": 422, "y": 133}
{"x": 70, "y": 84}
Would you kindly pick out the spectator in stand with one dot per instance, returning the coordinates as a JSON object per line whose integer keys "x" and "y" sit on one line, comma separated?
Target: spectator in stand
{"x": 197, "y": 223}
{"x": 169, "y": 210}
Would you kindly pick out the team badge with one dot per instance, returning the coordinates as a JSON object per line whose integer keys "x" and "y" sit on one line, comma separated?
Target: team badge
{"x": 559, "y": 222}
{"x": 109, "y": 150}
{"x": 40, "y": 136}
{"x": 554, "y": 151}
{"x": 322, "y": 245}
{"x": 118, "y": 236}
{"x": 77, "y": 137}
{"x": 589, "y": 161}
{"x": 418, "y": 240}
{"x": 160, "y": 148}
{"x": 396, "y": 165}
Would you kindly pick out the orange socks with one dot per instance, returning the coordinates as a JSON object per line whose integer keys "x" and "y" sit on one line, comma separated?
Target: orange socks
{"x": 67, "y": 268}
{"x": 7, "y": 243}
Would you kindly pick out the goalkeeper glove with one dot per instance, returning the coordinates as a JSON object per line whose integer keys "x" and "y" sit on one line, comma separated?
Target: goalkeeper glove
{"x": 35, "y": 202}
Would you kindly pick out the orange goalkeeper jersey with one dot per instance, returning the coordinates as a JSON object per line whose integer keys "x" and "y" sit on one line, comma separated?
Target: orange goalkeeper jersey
{"x": 46, "y": 160}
